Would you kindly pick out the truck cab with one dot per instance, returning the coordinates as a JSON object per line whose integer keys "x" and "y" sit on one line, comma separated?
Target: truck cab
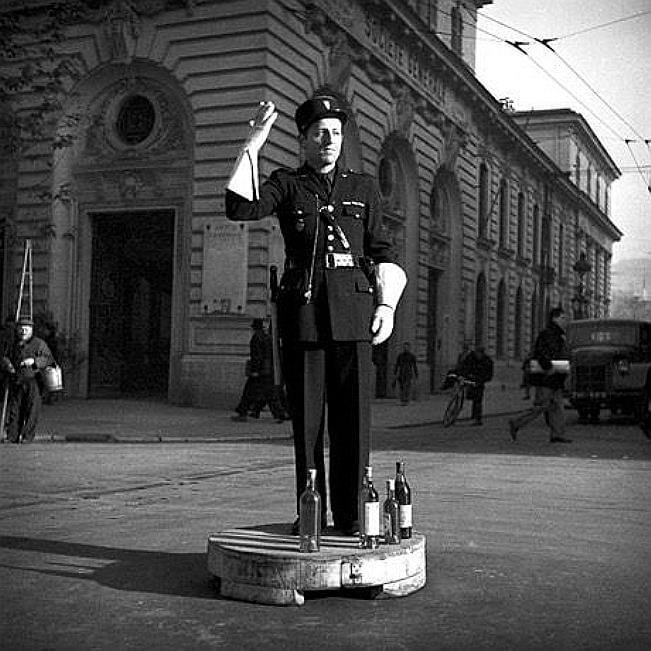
{"x": 610, "y": 362}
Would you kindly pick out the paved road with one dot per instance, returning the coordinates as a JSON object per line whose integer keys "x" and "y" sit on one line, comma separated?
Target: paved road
{"x": 530, "y": 546}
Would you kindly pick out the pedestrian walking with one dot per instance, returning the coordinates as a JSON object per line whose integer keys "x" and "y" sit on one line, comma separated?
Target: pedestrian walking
{"x": 549, "y": 382}
{"x": 477, "y": 366}
{"x": 404, "y": 371}
{"x": 337, "y": 295}
{"x": 21, "y": 364}
{"x": 259, "y": 386}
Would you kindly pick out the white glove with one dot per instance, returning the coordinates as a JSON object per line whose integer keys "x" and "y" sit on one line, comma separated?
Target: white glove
{"x": 261, "y": 126}
{"x": 381, "y": 324}
{"x": 29, "y": 361}
{"x": 244, "y": 178}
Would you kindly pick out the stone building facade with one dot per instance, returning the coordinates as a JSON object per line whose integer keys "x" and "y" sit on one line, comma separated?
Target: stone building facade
{"x": 137, "y": 261}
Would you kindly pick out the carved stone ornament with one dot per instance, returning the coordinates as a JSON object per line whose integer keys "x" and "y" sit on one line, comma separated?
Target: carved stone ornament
{"x": 404, "y": 110}
{"x": 165, "y": 133}
{"x": 453, "y": 140}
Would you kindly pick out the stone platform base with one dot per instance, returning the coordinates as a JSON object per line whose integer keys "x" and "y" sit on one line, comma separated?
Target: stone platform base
{"x": 262, "y": 564}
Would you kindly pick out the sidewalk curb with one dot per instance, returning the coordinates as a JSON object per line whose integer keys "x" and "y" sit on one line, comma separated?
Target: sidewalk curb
{"x": 111, "y": 438}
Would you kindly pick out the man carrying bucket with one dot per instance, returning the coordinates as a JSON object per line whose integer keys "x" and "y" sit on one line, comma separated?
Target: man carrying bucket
{"x": 20, "y": 365}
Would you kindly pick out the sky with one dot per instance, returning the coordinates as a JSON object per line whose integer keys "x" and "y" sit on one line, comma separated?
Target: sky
{"x": 614, "y": 60}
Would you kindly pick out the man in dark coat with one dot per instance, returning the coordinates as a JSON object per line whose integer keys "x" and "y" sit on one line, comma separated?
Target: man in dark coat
{"x": 259, "y": 386}
{"x": 549, "y": 383}
{"x": 337, "y": 295}
{"x": 476, "y": 366}
{"x": 22, "y": 362}
{"x": 404, "y": 371}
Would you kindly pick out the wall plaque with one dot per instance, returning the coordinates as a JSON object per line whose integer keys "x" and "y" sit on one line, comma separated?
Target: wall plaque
{"x": 225, "y": 262}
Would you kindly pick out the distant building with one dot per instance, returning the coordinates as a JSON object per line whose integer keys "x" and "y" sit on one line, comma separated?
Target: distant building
{"x": 137, "y": 260}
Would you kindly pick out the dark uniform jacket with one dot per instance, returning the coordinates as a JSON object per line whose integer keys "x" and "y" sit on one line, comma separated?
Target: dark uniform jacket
{"x": 317, "y": 303}
{"x": 550, "y": 345}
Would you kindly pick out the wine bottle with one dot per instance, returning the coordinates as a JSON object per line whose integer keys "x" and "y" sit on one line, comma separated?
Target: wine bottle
{"x": 390, "y": 512}
{"x": 403, "y": 496}
{"x": 360, "y": 501}
{"x": 310, "y": 516}
{"x": 369, "y": 532}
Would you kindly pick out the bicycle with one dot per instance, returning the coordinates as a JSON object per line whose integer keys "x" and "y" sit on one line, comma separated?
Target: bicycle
{"x": 455, "y": 405}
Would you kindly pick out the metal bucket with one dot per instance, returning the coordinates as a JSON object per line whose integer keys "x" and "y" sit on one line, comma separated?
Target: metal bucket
{"x": 53, "y": 379}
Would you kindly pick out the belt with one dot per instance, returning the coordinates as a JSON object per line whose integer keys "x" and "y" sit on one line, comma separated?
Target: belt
{"x": 335, "y": 260}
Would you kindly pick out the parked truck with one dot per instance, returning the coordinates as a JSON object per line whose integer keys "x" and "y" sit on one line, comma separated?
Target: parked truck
{"x": 610, "y": 368}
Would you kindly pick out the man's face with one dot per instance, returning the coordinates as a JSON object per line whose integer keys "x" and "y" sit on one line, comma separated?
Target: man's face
{"x": 323, "y": 140}
{"x": 25, "y": 332}
{"x": 561, "y": 320}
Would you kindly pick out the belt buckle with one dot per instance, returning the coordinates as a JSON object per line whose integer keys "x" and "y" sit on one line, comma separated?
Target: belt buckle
{"x": 335, "y": 260}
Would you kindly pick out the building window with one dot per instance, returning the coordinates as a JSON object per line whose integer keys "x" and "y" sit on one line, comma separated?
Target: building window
{"x": 517, "y": 322}
{"x": 577, "y": 169}
{"x": 500, "y": 338}
{"x": 457, "y": 30}
{"x": 535, "y": 253}
{"x": 135, "y": 120}
{"x": 522, "y": 225}
{"x": 561, "y": 251}
{"x": 483, "y": 200}
{"x": 386, "y": 178}
{"x": 588, "y": 181}
{"x": 533, "y": 331}
{"x": 546, "y": 242}
{"x": 504, "y": 214}
{"x": 480, "y": 309}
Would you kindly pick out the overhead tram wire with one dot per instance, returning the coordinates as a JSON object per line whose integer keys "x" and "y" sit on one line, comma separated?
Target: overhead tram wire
{"x": 612, "y": 22}
{"x": 545, "y": 42}
{"x": 519, "y": 45}
{"x": 646, "y": 181}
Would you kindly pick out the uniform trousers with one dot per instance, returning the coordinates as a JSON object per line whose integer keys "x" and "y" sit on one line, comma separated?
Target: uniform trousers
{"x": 336, "y": 374}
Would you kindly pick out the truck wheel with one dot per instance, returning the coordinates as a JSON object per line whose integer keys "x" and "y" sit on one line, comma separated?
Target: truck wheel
{"x": 583, "y": 416}
{"x": 594, "y": 415}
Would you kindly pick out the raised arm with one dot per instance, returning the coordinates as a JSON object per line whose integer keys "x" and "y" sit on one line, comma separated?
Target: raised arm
{"x": 244, "y": 177}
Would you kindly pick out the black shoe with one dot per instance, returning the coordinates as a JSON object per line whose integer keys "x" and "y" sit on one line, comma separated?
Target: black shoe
{"x": 240, "y": 418}
{"x": 559, "y": 439}
{"x": 513, "y": 431}
{"x": 477, "y": 422}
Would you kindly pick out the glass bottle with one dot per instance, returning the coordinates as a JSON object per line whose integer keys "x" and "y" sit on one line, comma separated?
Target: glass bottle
{"x": 310, "y": 516}
{"x": 403, "y": 496}
{"x": 369, "y": 530}
{"x": 390, "y": 513}
{"x": 360, "y": 500}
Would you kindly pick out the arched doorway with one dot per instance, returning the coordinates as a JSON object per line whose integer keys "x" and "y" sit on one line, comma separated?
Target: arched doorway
{"x": 396, "y": 175}
{"x": 127, "y": 229}
{"x": 130, "y": 303}
{"x": 444, "y": 312}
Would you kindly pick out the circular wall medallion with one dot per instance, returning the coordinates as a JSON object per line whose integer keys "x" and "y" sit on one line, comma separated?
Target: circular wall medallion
{"x": 135, "y": 119}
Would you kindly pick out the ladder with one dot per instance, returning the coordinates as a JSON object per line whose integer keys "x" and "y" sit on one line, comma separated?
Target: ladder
{"x": 24, "y": 309}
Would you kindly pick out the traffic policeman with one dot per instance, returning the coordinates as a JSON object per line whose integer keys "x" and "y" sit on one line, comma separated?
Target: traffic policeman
{"x": 337, "y": 296}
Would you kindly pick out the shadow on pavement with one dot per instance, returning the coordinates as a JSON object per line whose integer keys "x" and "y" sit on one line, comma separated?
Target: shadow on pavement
{"x": 164, "y": 573}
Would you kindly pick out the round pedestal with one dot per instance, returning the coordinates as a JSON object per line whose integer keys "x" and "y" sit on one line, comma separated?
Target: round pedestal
{"x": 262, "y": 564}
